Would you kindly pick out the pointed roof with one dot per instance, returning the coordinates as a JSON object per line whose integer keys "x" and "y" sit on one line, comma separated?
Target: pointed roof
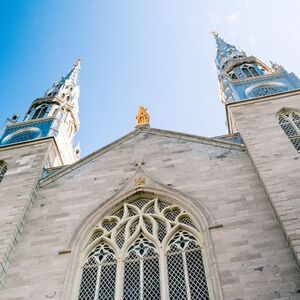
{"x": 73, "y": 74}
{"x": 65, "y": 85}
{"x": 225, "y": 52}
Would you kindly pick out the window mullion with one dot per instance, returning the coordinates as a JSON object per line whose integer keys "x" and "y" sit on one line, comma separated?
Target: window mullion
{"x": 292, "y": 122}
{"x": 98, "y": 283}
{"x": 164, "y": 287}
{"x": 141, "y": 278}
{"x": 186, "y": 275}
{"x": 119, "y": 280}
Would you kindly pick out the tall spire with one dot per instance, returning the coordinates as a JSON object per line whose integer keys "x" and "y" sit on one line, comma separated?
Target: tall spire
{"x": 225, "y": 52}
{"x": 55, "y": 114}
{"x": 73, "y": 74}
{"x": 67, "y": 86}
{"x": 244, "y": 77}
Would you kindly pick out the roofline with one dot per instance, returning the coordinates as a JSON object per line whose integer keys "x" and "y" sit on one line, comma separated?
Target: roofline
{"x": 50, "y": 139}
{"x": 101, "y": 151}
{"x": 257, "y": 100}
{"x": 27, "y": 143}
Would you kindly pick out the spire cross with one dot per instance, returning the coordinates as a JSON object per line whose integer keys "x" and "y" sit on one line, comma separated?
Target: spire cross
{"x": 215, "y": 33}
{"x": 79, "y": 59}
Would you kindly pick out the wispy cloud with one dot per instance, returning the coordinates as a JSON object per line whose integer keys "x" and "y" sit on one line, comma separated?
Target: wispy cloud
{"x": 233, "y": 17}
{"x": 216, "y": 19}
{"x": 252, "y": 41}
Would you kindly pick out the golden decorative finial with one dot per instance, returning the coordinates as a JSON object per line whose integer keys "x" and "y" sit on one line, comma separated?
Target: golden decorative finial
{"x": 142, "y": 117}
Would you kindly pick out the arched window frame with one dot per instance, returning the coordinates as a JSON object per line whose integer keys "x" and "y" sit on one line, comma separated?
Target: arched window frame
{"x": 3, "y": 170}
{"x": 41, "y": 111}
{"x": 92, "y": 242}
{"x": 265, "y": 89}
{"x": 233, "y": 75}
{"x": 250, "y": 70}
{"x": 289, "y": 121}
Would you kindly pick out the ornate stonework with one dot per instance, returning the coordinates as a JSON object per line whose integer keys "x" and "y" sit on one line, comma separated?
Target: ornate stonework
{"x": 139, "y": 181}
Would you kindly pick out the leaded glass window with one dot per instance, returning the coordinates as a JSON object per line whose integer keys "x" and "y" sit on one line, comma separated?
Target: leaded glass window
{"x": 3, "y": 169}
{"x": 98, "y": 274}
{"x": 145, "y": 250}
{"x": 185, "y": 268}
{"x": 290, "y": 123}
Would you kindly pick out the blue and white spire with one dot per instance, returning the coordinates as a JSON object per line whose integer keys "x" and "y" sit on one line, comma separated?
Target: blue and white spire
{"x": 67, "y": 87}
{"x": 225, "y": 52}
{"x": 244, "y": 77}
{"x": 55, "y": 114}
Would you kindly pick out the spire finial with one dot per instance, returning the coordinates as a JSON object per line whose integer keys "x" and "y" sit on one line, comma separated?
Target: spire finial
{"x": 73, "y": 74}
{"x": 78, "y": 61}
{"x": 215, "y": 34}
{"x": 66, "y": 84}
{"x": 225, "y": 51}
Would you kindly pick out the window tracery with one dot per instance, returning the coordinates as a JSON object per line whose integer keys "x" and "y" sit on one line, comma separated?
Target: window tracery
{"x": 267, "y": 90}
{"x": 3, "y": 170}
{"x": 138, "y": 245}
{"x": 98, "y": 273}
{"x": 184, "y": 258}
{"x": 290, "y": 123}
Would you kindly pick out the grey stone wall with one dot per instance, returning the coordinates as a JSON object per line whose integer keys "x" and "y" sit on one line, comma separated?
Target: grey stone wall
{"x": 17, "y": 191}
{"x": 250, "y": 251}
{"x": 275, "y": 158}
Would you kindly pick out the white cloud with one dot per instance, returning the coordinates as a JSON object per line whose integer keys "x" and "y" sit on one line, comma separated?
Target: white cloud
{"x": 216, "y": 19}
{"x": 252, "y": 41}
{"x": 234, "y": 17}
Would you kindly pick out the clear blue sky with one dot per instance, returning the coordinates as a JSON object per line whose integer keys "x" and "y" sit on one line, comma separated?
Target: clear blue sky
{"x": 155, "y": 53}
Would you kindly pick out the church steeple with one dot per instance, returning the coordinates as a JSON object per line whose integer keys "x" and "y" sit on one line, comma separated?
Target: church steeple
{"x": 66, "y": 86}
{"x": 55, "y": 114}
{"x": 244, "y": 77}
{"x": 225, "y": 52}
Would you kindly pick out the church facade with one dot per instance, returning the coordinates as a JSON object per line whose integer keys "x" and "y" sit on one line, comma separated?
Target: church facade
{"x": 156, "y": 214}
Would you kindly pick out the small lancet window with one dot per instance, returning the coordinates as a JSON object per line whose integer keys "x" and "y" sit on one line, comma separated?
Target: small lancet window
{"x": 147, "y": 249}
{"x": 41, "y": 112}
{"x": 290, "y": 123}
{"x": 249, "y": 70}
{"x": 98, "y": 274}
{"x": 185, "y": 268}
{"x": 232, "y": 75}
{"x": 253, "y": 71}
{"x": 3, "y": 169}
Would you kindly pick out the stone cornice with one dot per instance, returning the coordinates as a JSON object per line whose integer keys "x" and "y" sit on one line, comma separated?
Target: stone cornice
{"x": 31, "y": 143}
{"x": 258, "y": 100}
{"x": 42, "y": 120}
{"x": 27, "y": 143}
{"x": 264, "y": 77}
{"x": 265, "y": 98}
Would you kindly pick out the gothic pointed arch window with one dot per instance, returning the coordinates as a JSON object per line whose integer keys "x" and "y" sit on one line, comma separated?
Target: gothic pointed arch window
{"x": 289, "y": 121}
{"x": 250, "y": 70}
{"x": 41, "y": 111}
{"x": 3, "y": 169}
{"x": 147, "y": 249}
